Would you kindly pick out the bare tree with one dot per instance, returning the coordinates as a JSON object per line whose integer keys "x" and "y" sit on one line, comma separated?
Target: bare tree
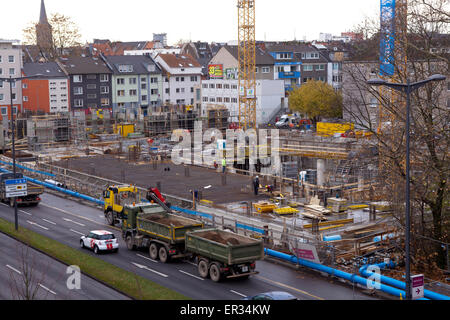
{"x": 426, "y": 43}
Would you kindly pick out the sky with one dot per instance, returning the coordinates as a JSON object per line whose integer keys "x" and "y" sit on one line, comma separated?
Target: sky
{"x": 205, "y": 20}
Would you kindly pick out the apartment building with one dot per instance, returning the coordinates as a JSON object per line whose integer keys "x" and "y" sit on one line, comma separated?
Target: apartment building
{"x": 181, "y": 75}
{"x": 137, "y": 83}
{"x": 269, "y": 97}
{"x": 10, "y": 67}
{"x": 89, "y": 82}
{"x": 49, "y": 93}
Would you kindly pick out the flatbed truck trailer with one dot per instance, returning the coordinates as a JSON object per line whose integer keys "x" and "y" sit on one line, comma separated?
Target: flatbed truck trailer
{"x": 34, "y": 191}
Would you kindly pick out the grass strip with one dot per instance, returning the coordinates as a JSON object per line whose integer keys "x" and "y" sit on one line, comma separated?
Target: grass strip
{"x": 122, "y": 280}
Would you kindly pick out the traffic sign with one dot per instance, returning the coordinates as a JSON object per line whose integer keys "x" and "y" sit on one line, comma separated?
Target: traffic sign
{"x": 417, "y": 286}
{"x": 16, "y": 188}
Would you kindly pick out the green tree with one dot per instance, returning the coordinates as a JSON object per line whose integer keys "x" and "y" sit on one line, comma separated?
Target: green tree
{"x": 316, "y": 99}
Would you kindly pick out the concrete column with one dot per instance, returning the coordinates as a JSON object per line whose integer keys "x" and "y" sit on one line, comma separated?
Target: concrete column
{"x": 320, "y": 172}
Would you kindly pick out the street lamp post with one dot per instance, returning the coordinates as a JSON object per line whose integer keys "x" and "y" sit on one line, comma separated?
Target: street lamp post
{"x": 12, "y": 80}
{"x": 407, "y": 88}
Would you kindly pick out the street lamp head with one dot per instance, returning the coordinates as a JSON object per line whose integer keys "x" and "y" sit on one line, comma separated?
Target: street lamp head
{"x": 376, "y": 82}
{"x": 437, "y": 77}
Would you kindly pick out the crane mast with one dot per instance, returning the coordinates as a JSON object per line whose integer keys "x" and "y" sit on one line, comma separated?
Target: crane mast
{"x": 247, "y": 64}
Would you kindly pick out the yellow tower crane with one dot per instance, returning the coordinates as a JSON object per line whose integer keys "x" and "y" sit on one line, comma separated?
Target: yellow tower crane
{"x": 247, "y": 64}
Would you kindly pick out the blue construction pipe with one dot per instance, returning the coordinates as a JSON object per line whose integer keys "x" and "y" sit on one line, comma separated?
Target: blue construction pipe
{"x": 332, "y": 238}
{"x": 335, "y": 272}
{"x": 397, "y": 283}
{"x": 66, "y": 191}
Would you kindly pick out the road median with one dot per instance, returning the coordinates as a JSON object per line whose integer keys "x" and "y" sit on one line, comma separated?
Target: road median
{"x": 128, "y": 283}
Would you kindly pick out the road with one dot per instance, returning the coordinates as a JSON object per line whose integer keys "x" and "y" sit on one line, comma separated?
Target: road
{"x": 66, "y": 220}
{"x": 47, "y": 275}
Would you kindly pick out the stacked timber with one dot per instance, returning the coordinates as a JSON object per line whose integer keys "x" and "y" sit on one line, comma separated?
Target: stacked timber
{"x": 337, "y": 205}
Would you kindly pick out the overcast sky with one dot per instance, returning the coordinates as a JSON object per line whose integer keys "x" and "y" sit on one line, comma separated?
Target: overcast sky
{"x": 207, "y": 20}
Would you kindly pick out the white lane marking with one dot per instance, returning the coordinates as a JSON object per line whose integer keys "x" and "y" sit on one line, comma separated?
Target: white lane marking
{"x": 45, "y": 288}
{"x": 26, "y": 212}
{"x": 13, "y": 269}
{"x": 102, "y": 216}
{"x": 147, "y": 268}
{"x": 37, "y": 225}
{"x": 139, "y": 255}
{"x": 192, "y": 263}
{"x": 238, "y": 293}
{"x": 80, "y": 224}
{"x": 187, "y": 273}
{"x": 77, "y": 232}
{"x": 4, "y": 204}
{"x": 48, "y": 221}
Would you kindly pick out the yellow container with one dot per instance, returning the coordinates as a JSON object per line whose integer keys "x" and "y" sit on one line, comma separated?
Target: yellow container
{"x": 264, "y": 207}
{"x": 329, "y": 129}
{"x": 286, "y": 211}
{"x": 124, "y": 129}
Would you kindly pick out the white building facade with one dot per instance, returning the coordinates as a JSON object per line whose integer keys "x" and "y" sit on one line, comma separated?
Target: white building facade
{"x": 10, "y": 66}
{"x": 182, "y": 74}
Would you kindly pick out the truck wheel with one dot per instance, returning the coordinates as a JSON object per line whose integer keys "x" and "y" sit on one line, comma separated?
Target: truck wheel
{"x": 110, "y": 218}
{"x": 130, "y": 245}
{"x": 214, "y": 272}
{"x": 203, "y": 269}
{"x": 163, "y": 256}
{"x": 153, "y": 251}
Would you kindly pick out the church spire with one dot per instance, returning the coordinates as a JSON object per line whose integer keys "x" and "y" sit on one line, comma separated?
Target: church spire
{"x": 43, "y": 15}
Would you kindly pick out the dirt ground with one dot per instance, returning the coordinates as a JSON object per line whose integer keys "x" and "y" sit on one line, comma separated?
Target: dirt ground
{"x": 171, "y": 177}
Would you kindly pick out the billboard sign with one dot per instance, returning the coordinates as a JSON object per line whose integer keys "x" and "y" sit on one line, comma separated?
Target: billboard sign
{"x": 215, "y": 71}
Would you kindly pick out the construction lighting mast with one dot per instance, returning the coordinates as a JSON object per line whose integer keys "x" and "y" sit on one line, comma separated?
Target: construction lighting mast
{"x": 247, "y": 64}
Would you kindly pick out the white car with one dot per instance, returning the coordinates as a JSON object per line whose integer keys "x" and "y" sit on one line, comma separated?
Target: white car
{"x": 100, "y": 240}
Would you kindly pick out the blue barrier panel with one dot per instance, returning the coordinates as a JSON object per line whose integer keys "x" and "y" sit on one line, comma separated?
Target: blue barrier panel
{"x": 32, "y": 170}
{"x": 243, "y": 226}
{"x": 195, "y": 213}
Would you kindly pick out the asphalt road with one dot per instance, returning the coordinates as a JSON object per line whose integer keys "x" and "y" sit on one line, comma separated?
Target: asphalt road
{"x": 48, "y": 277}
{"x": 66, "y": 220}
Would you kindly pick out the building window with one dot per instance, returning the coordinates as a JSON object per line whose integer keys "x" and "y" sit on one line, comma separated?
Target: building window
{"x": 308, "y": 67}
{"x": 234, "y": 86}
{"x": 104, "y": 102}
{"x": 12, "y": 71}
{"x": 77, "y": 78}
{"x": 226, "y": 100}
{"x": 91, "y": 86}
{"x": 104, "y": 90}
{"x": 78, "y": 90}
{"x": 14, "y": 96}
{"x": 205, "y": 86}
{"x": 143, "y": 86}
{"x": 192, "y": 90}
{"x": 320, "y": 67}
{"x": 24, "y": 86}
{"x": 177, "y": 79}
{"x": 205, "y": 99}
{"x": 125, "y": 68}
{"x": 104, "y": 78}
{"x": 91, "y": 76}
{"x": 233, "y": 100}
{"x": 219, "y": 86}
{"x": 2, "y": 96}
{"x": 1, "y": 71}
{"x": 4, "y": 111}
{"x": 120, "y": 81}
{"x": 182, "y": 79}
{"x": 154, "y": 91}
{"x": 121, "y": 93}
{"x": 212, "y": 86}
{"x": 283, "y": 56}
{"x": 265, "y": 69}
{"x": 182, "y": 90}
{"x": 177, "y": 90}
{"x": 212, "y": 99}
{"x": 144, "y": 98}
{"x": 194, "y": 79}
{"x": 133, "y": 92}
{"x": 219, "y": 99}
{"x": 132, "y": 80}
{"x": 256, "y": 70}
{"x": 78, "y": 102}
{"x": 92, "y": 96}
{"x": 153, "y": 80}
{"x": 167, "y": 90}
{"x": 11, "y": 59}
{"x": 226, "y": 86}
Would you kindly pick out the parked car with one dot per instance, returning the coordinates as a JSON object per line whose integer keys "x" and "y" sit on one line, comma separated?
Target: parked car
{"x": 275, "y": 295}
{"x": 100, "y": 240}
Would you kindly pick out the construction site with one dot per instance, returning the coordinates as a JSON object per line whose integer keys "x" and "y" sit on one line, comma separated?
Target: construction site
{"x": 325, "y": 193}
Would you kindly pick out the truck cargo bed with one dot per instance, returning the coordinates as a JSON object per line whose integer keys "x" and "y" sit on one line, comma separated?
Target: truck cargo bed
{"x": 223, "y": 246}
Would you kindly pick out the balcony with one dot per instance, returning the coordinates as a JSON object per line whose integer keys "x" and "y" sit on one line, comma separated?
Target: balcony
{"x": 289, "y": 75}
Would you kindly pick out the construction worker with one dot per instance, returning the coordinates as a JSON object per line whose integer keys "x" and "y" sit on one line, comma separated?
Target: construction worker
{"x": 224, "y": 165}
{"x": 256, "y": 185}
